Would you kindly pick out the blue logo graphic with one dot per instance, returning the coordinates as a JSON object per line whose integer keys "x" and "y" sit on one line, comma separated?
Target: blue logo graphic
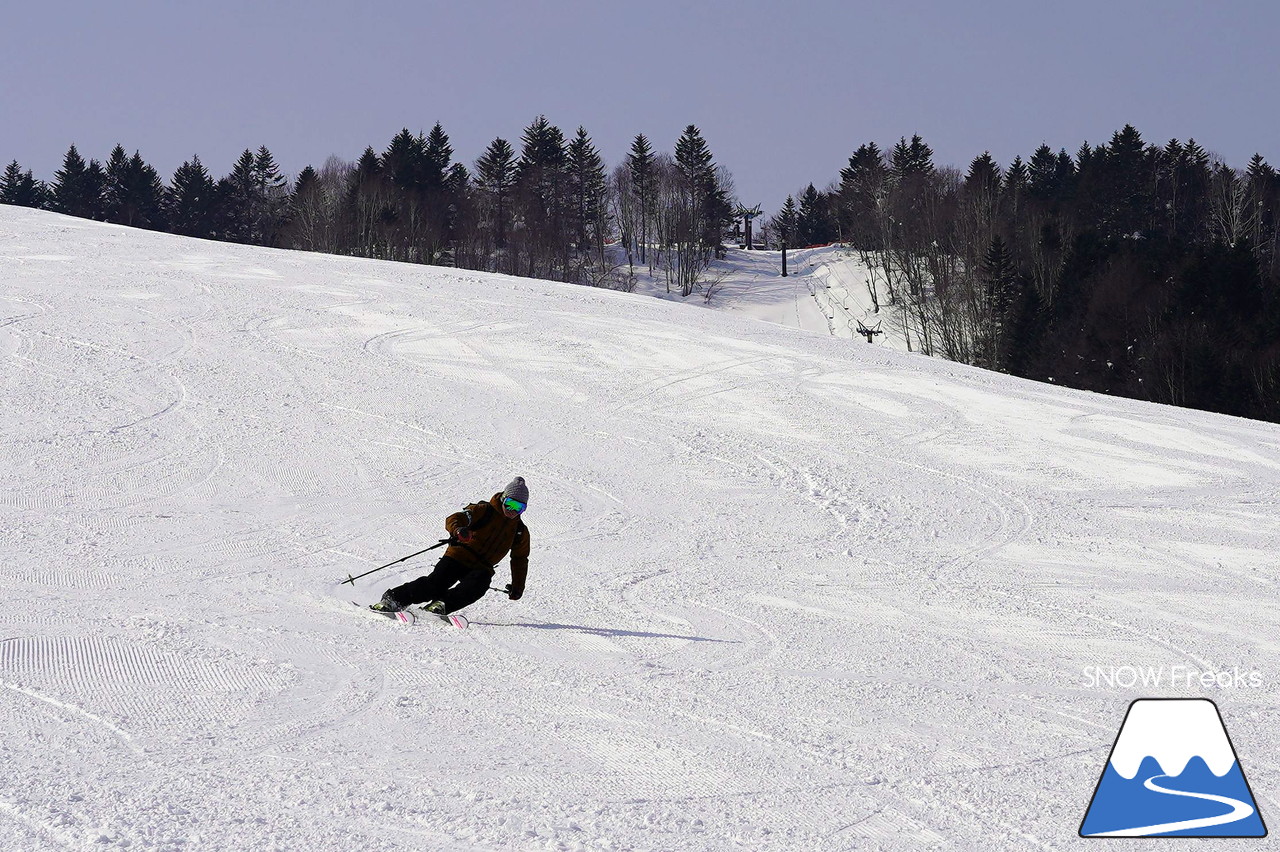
{"x": 1173, "y": 773}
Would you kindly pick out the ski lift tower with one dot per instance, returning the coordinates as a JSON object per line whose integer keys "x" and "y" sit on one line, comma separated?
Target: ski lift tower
{"x": 747, "y": 214}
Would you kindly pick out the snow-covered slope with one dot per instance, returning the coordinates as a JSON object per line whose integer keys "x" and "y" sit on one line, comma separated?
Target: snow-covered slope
{"x": 787, "y": 591}
{"x": 826, "y": 290}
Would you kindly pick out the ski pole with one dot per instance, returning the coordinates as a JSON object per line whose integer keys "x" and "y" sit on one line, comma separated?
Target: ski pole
{"x": 352, "y": 580}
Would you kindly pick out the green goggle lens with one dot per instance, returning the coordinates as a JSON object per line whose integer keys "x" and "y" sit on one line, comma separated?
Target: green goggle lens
{"x": 513, "y": 504}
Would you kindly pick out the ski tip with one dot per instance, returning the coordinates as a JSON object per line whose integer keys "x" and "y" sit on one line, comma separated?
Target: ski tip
{"x": 458, "y": 621}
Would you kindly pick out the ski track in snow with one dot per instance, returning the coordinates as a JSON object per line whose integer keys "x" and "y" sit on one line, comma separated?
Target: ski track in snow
{"x": 787, "y": 592}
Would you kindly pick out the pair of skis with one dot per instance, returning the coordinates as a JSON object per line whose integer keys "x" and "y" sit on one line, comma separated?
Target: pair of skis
{"x": 414, "y": 614}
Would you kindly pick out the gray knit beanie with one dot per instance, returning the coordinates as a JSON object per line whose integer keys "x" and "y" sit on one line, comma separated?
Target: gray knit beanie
{"x": 517, "y": 490}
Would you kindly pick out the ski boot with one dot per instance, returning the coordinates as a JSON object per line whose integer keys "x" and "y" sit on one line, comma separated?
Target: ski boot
{"x": 387, "y": 604}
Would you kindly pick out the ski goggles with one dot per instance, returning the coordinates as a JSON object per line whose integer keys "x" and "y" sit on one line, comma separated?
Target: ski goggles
{"x": 514, "y": 505}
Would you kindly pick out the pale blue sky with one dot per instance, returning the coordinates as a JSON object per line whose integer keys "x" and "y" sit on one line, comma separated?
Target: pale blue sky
{"x": 783, "y": 92}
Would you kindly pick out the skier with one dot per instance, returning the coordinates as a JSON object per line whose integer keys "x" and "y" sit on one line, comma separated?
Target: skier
{"x": 479, "y": 537}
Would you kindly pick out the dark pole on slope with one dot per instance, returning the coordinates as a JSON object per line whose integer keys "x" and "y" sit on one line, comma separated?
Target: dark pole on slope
{"x": 751, "y": 216}
{"x": 352, "y": 580}
{"x": 784, "y": 257}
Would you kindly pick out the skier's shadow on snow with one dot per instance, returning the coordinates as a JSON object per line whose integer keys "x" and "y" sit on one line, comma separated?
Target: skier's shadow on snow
{"x": 607, "y": 631}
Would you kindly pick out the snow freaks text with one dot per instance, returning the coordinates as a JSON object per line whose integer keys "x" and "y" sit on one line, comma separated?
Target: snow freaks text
{"x": 1174, "y": 677}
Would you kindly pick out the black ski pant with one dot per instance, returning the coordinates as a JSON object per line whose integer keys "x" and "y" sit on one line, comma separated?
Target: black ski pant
{"x": 456, "y": 584}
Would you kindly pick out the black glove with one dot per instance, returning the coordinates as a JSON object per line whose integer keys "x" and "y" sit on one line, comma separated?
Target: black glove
{"x": 513, "y": 594}
{"x": 463, "y": 534}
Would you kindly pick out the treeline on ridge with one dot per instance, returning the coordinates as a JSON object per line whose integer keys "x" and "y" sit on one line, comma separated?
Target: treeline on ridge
{"x": 547, "y": 211}
{"x": 1146, "y": 271}
{"x": 1151, "y": 272}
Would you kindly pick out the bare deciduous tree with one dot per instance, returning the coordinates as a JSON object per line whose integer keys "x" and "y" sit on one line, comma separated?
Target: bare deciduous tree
{"x": 1230, "y": 211}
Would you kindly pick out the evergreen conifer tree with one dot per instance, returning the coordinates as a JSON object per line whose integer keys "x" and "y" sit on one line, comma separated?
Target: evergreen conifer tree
{"x": 640, "y": 165}
{"x": 863, "y": 188}
{"x": 588, "y": 195}
{"x": 977, "y": 214}
{"x": 437, "y": 154}
{"x": 541, "y": 190}
{"x": 1125, "y": 188}
{"x": 785, "y": 221}
{"x": 95, "y": 183}
{"x": 367, "y": 207}
{"x": 444, "y": 191}
{"x": 1086, "y": 157}
{"x": 257, "y": 197}
{"x": 420, "y": 208}
{"x": 403, "y": 162}
{"x": 115, "y": 198}
{"x": 911, "y": 158}
{"x": 1049, "y": 177}
{"x": 243, "y": 201}
{"x": 1042, "y": 171}
{"x": 458, "y": 180}
{"x": 20, "y": 188}
{"x": 999, "y": 274}
{"x": 192, "y": 201}
{"x": 1016, "y": 181}
{"x": 1017, "y": 178}
{"x": 133, "y": 193}
{"x": 77, "y": 187}
{"x": 272, "y": 191}
{"x": 1263, "y": 185}
{"x": 306, "y": 206}
{"x": 707, "y": 203}
{"x": 307, "y": 181}
{"x": 814, "y": 222}
{"x": 147, "y": 194}
{"x": 495, "y": 182}
{"x": 865, "y": 164}
{"x": 404, "y": 169}
{"x": 983, "y": 177}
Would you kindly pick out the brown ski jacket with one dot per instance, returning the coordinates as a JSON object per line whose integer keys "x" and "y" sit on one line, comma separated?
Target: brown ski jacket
{"x": 494, "y": 536}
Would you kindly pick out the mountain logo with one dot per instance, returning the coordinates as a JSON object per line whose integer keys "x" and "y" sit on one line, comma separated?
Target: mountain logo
{"x": 1173, "y": 773}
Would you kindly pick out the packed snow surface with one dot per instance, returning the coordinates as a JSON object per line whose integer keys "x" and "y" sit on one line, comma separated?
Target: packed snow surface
{"x": 788, "y": 591}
